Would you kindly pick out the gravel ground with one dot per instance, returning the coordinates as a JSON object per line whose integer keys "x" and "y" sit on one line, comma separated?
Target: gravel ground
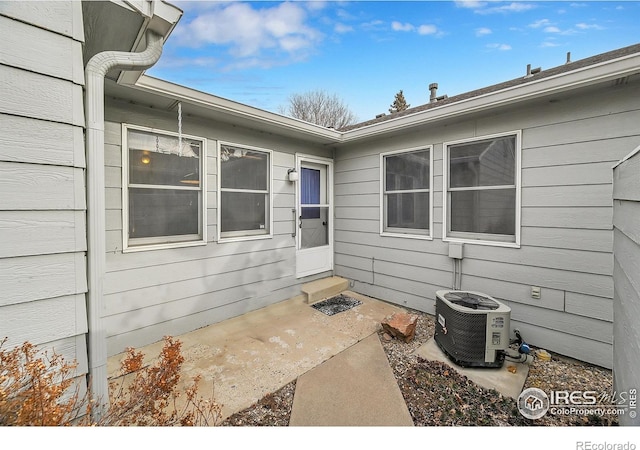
{"x": 437, "y": 395}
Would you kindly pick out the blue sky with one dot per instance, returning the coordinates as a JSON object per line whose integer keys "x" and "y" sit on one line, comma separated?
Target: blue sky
{"x": 259, "y": 53}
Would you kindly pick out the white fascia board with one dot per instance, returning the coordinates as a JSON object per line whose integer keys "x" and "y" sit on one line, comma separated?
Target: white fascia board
{"x": 142, "y": 7}
{"x": 608, "y": 70}
{"x": 150, "y": 8}
{"x": 170, "y": 13}
{"x": 161, "y": 17}
{"x": 239, "y": 110}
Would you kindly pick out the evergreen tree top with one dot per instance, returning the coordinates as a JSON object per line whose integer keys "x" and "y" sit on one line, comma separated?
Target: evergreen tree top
{"x": 399, "y": 103}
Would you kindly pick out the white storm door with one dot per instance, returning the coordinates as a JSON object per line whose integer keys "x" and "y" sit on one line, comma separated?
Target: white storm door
{"x": 314, "y": 237}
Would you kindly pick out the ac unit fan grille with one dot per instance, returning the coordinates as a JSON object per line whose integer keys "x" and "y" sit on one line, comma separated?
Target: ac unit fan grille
{"x": 466, "y": 334}
{"x": 472, "y": 301}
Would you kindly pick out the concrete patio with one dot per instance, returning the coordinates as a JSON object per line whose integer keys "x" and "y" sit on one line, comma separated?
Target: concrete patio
{"x": 254, "y": 354}
{"x": 342, "y": 372}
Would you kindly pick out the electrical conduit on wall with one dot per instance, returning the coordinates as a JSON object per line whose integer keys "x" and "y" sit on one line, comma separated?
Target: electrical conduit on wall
{"x": 95, "y": 71}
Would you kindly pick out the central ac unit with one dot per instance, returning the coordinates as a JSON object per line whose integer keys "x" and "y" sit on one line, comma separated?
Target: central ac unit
{"x": 472, "y": 328}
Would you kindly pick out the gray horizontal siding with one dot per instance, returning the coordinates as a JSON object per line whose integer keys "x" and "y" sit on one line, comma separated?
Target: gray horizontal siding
{"x": 59, "y": 318}
{"x": 30, "y": 94}
{"x": 27, "y": 233}
{"x": 38, "y": 50}
{"x": 626, "y": 275}
{"x": 568, "y": 149}
{"x": 41, "y": 187}
{"x": 42, "y": 191}
{"x": 23, "y": 139}
{"x": 150, "y": 294}
{"x": 60, "y": 17}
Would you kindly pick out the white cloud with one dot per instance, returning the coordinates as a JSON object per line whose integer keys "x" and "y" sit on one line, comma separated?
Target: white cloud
{"x": 585, "y": 26}
{"x": 548, "y": 44}
{"x": 483, "y": 31}
{"x": 342, "y": 28}
{"x": 315, "y": 5}
{"x": 293, "y": 43}
{"x": 470, "y": 4}
{"x": 423, "y": 30}
{"x": 540, "y": 23}
{"x": 427, "y": 29}
{"x": 373, "y": 25}
{"x": 180, "y": 62}
{"x": 249, "y": 31}
{"x": 501, "y": 47}
{"x": 513, "y": 7}
{"x": 551, "y": 30}
{"x": 398, "y": 26}
{"x": 345, "y": 15}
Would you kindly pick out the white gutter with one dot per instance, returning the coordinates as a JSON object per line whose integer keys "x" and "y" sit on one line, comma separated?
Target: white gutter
{"x": 230, "y": 107}
{"x": 95, "y": 72}
{"x": 577, "y": 78}
{"x": 584, "y": 76}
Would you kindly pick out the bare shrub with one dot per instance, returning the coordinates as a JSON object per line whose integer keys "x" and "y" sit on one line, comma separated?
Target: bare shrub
{"x": 321, "y": 108}
{"x": 41, "y": 390}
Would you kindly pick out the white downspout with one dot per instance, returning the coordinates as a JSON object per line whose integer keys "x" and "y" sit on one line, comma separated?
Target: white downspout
{"x": 96, "y": 70}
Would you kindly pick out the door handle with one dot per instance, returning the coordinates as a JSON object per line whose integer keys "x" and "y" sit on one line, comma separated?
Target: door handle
{"x": 295, "y": 229}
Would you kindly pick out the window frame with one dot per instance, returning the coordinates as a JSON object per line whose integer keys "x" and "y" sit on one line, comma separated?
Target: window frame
{"x": 175, "y": 241}
{"x": 496, "y": 240}
{"x": 235, "y": 236}
{"x": 410, "y": 233}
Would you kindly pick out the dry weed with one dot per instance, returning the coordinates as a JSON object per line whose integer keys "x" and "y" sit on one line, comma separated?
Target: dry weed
{"x": 41, "y": 390}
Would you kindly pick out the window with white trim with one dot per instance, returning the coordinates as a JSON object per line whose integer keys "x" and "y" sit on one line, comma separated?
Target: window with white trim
{"x": 163, "y": 194}
{"x": 244, "y": 192}
{"x": 482, "y": 189}
{"x": 407, "y": 192}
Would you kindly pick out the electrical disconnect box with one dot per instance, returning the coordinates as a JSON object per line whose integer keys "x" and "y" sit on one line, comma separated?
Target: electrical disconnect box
{"x": 455, "y": 250}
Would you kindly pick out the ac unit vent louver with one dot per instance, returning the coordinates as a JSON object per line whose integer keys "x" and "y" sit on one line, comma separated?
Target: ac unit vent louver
{"x": 472, "y": 328}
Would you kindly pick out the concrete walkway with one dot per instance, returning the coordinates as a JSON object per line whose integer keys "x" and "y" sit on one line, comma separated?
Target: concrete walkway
{"x": 252, "y": 355}
{"x": 354, "y": 388}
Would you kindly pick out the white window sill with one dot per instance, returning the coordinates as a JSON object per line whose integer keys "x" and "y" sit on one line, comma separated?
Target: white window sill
{"x": 481, "y": 242}
{"x": 223, "y": 240}
{"x": 148, "y": 247}
{"x": 423, "y": 237}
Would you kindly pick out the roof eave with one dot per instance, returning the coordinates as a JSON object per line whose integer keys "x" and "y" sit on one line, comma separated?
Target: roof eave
{"x": 243, "y": 113}
{"x": 608, "y": 70}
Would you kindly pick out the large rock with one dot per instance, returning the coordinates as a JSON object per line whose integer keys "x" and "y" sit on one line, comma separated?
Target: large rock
{"x": 401, "y": 326}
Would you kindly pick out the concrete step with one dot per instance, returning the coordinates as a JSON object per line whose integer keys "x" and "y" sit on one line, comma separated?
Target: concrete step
{"x": 324, "y": 288}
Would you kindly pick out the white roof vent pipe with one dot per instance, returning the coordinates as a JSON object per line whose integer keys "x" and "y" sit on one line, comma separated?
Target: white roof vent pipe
{"x": 531, "y": 72}
{"x": 97, "y": 68}
{"x": 433, "y": 87}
